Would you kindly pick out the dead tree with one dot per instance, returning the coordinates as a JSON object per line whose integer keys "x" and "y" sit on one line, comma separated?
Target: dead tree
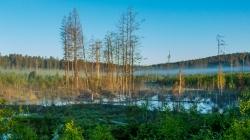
{"x": 242, "y": 57}
{"x": 128, "y": 27}
{"x": 66, "y": 58}
{"x": 220, "y": 77}
{"x": 111, "y": 57}
{"x": 72, "y": 36}
{"x": 95, "y": 56}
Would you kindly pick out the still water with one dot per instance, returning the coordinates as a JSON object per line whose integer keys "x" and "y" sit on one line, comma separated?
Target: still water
{"x": 203, "y": 101}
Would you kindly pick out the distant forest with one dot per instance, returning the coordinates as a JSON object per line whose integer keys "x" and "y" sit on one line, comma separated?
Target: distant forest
{"x": 18, "y": 61}
{"x": 227, "y": 60}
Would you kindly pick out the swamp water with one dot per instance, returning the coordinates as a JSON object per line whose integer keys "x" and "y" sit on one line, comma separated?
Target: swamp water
{"x": 203, "y": 101}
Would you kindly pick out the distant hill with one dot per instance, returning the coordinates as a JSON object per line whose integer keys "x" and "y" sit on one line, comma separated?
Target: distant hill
{"x": 236, "y": 59}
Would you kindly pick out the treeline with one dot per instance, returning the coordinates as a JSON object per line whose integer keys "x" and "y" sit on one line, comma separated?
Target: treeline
{"x": 18, "y": 61}
{"x": 227, "y": 60}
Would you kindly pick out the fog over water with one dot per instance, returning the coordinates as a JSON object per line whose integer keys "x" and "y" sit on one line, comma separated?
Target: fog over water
{"x": 188, "y": 71}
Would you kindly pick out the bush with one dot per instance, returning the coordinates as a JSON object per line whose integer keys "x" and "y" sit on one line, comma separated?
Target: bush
{"x": 71, "y": 132}
{"x": 203, "y": 134}
{"x": 2, "y": 101}
{"x": 172, "y": 128}
{"x": 147, "y": 132}
{"x": 6, "y": 121}
{"x": 101, "y": 133}
{"x": 240, "y": 130}
{"x": 245, "y": 102}
{"x": 32, "y": 75}
{"x": 245, "y": 107}
{"x": 21, "y": 132}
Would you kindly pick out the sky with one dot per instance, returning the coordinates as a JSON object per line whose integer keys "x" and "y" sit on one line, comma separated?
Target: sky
{"x": 186, "y": 28}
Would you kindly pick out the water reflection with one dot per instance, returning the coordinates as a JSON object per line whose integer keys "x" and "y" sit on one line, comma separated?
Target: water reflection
{"x": 203, "y": 101}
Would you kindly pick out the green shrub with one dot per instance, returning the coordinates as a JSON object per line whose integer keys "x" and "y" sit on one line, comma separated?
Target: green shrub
{"x": 240, "y": 130}
{"x": 2, "y": 101}
{"x": 171, "y": 128}
{"x": 147, "y": 131}
{"x": 71, "y": 132}
{"x": 245, "y": 102}
{"x": 21, "y": 132}
{"x": 101, "y": 133}
{"x": 6, "y": 120}
{"x": 32, "y": 75}
{"x": 245, "y": 107}
{"x": 203, "y": 134}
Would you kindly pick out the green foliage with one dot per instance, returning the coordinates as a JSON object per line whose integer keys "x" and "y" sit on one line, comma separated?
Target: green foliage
{"x": 21, "y": 132}
{"x": 245, "y": 102}
{"x": 245, "y": 94}
{"x": 100, "y": 122}
{"x": 6, "y": 120}
{"x": 147, "y": 131}
{"x": 231, "y": 85}
{"x": 101, "y": 132}
{"x": 32, "y": 75}
{"x": 217, "y": 123}
{"x": 172, "y": 128}
{"x": 2, "y": 101}
{"x": 8, "y": 125}
{"x": 240, "y": 130}
{"x": 71, "y": 132}
{"x": 245, "y": 107}
{"x": 20, "y": 109}
{"x": 203, "y": 134}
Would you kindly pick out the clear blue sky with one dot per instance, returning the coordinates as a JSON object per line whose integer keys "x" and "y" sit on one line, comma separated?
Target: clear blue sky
{"x": 186, "y": 28}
